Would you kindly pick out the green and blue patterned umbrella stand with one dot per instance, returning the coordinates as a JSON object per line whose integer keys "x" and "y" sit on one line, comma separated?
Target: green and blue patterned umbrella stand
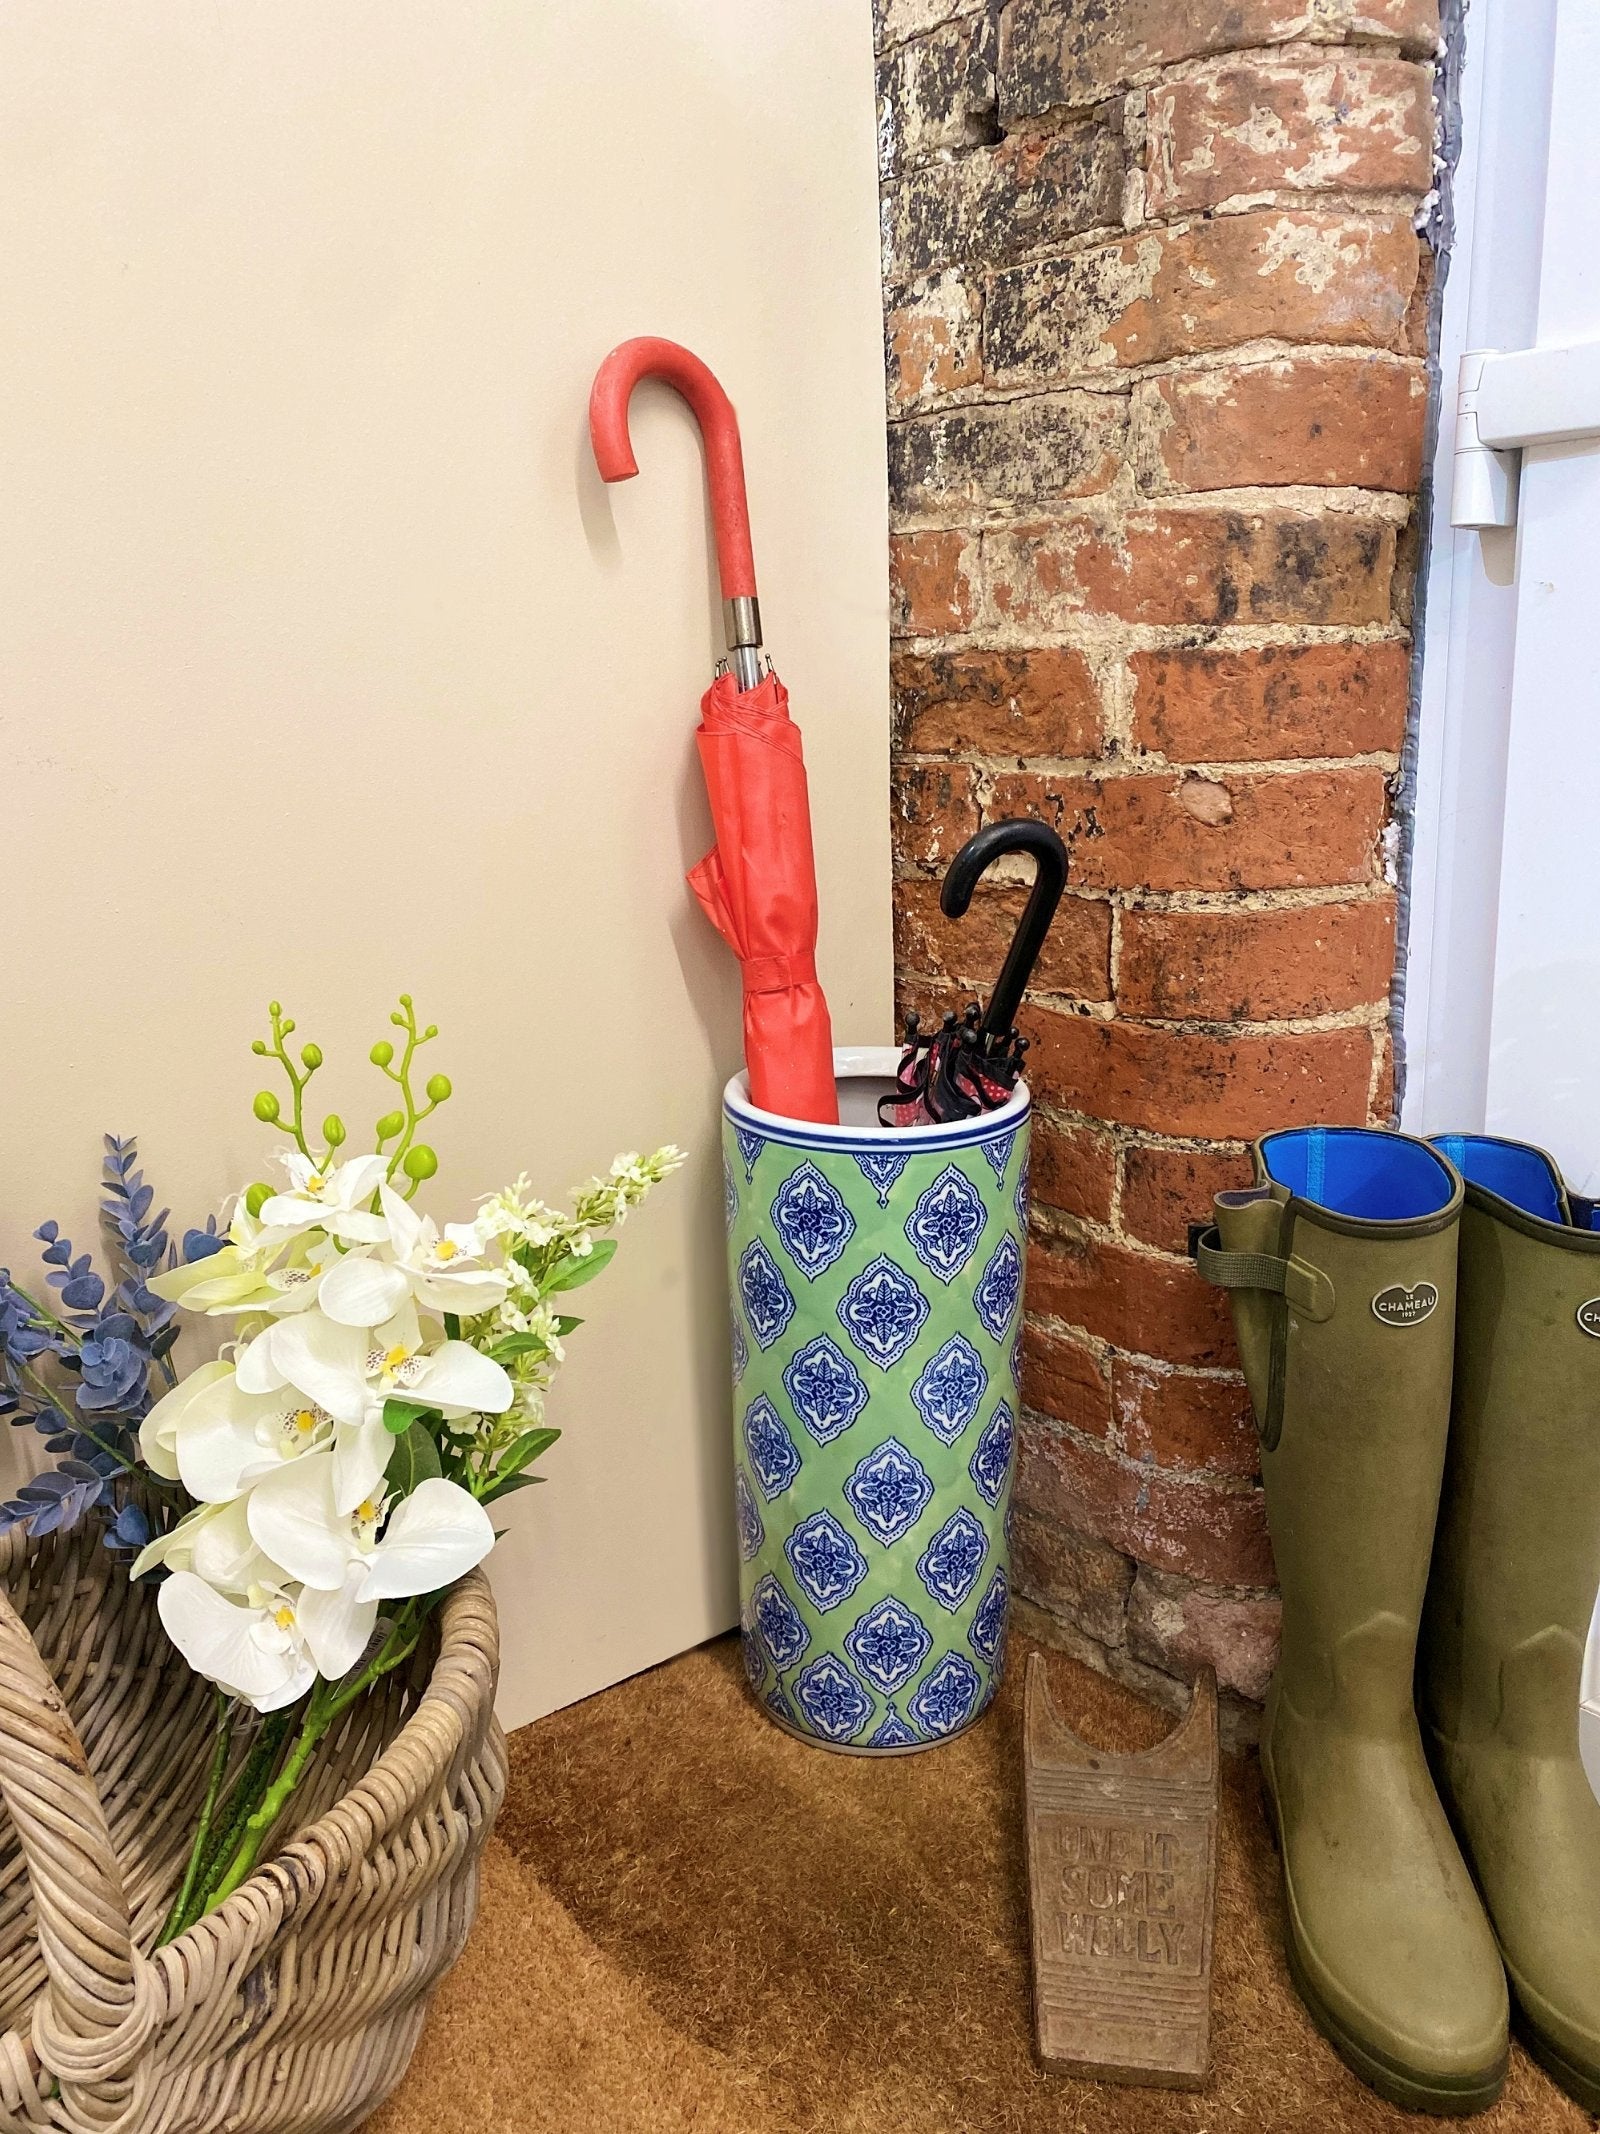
{"x": 877, "y": 1313}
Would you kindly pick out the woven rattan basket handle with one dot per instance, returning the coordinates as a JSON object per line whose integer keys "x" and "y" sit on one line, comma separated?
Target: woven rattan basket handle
{"x": 98, "y": 2007}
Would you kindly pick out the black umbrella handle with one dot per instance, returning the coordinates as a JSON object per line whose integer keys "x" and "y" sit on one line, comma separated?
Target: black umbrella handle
{"x": 975, "y": 858}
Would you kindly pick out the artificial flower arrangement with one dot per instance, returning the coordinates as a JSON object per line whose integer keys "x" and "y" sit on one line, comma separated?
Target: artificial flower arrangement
{"x": 306, "y": 1499}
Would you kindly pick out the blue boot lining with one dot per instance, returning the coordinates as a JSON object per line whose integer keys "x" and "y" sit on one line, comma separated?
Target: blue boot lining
{"x": 1383, "y": 1178}
{"x": 1524, "y": 1176}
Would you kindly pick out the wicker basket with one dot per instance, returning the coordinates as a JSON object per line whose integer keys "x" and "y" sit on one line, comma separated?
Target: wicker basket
{"x": 293, "y": 2008}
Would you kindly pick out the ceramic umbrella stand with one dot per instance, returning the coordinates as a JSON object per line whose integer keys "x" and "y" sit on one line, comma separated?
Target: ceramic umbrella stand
{"x": 877, "y": 1311}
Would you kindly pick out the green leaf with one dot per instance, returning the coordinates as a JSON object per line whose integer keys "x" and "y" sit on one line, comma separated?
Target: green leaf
{"x": 525, "y": 1448}
{"x": 515, "y": 1345}
{"x": 572, "y": 1272}
{"x": 520, "y": 1454}
{"x": 511, "y": 1482}
{"x": 452, "y": 1326}
{"x": 399, "y": 1415}
{"x": 415, "y": 1459}
{"x": 566, "y": 1325}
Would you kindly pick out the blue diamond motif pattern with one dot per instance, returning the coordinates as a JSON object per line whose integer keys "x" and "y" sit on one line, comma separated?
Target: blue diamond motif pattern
{"x": 747, "y": 1513}
{"x": 772, "y": 1453}
{"x": 730, "y": 1196}
{"x": 888, "y": 1644}
{"x": 952, "y": 1384}
{"x": 741, "y": 1350}
{"x": 1019, "y": 1199}
{"x": 889, "y": 1491}
{"x": 999, "y": 1287}
{"x": 997, "y": 1153}
{"x": 778, "y": 1704}
{"x": 812, "y": 1222}
{"x": 750, "y": 1147}
{"x": 880, "y": 1172}
{"x": 827, "y": 1390}
{"x": 832, "y": 1699}
{"x": 949, "y": 1565}
{"x": 991, "y": 1459}
{"x": 782, "y": 1626}
{"x": 989, "y": 1619}
{"x": 945, "y": 1225}
{"x": 945, "y": 1700}
{"x": 893, "y": 1734}
{"x": 825, "y": 1560}
{"x": 767, "y": 1302}
{"x": 883, "y": 1312}
{"x": 755, "y": 1660}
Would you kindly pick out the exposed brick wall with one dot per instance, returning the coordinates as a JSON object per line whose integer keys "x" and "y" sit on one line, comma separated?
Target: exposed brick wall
{"x": 1154, "y": 312}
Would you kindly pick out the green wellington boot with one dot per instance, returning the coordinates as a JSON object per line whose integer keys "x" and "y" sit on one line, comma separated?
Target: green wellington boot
{"x": 1515, "y": 1570}
{"x": 1341, "y": 1264}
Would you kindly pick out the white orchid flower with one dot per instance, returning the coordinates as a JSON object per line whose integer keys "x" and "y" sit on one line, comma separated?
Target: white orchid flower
{"x": 330, "y": 1197}
{"x": 254, "y": 1648}
{"x": 350, "y": 1372}
{"x": 349, "y": 1560}
{"x": 233, "y": 1280}
{"x": 435, "y": 1270}
{"x": 215, "y": 1543}
{"x": 222, "y": 1438}
{"x": 158, "y": 1433}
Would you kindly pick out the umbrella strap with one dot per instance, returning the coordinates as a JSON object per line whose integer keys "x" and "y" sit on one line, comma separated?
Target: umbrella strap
{"x": 777, "y": 974}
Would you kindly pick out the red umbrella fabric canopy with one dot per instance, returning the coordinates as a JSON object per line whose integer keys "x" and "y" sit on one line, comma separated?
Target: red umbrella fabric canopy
{"x": 758, "y": 885}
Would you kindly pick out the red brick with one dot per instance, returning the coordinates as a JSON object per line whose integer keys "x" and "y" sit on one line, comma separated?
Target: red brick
{"x": 895, "y": 20}
{"x": 1177, "y": 1420}
{"x": 1331, "y": 422}
{"x": 1164, "y": 1190}
{"x": 1135, "y": 1300}
{"x": 1060, "y": 1377}
{"x": 1200, "y": 705}
{"x": 1197, "y": 1529}
{"x": 1181, "y": 1628}
{"x": 1076, "y": 959}
{"x": 1249, "y": 830}
{"x": 1072, "y": 1169}
{"x": 934, "y": 811}
{"x": 1037, "y": 702}
{"x": 937, "y": 91}
{"x": 1170, "y": 1081}
{"x": 1283, "y": 275}
{"x": 932, "y": 339}
{"x": 1203, "y": 566}
{"x": 1255, "y": 966}
{"x": 1056, "y": 53}
{"x": 1020, "y": 455}
{"x": 1350, "y": 122}
{"x": 1071, "y": 1574}
{"x": 993, "y": 205}
{"x": 930, "y": 583}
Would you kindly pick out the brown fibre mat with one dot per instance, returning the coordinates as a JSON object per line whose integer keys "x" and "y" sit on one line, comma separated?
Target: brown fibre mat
{"x": 692, "y": 1921}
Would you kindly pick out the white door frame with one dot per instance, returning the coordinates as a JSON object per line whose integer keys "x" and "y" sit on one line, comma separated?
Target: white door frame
{"x": 1501, "y": 1015}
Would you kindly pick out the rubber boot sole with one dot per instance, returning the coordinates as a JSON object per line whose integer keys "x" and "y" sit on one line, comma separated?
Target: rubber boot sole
{"x": 1393, "y": 2083}
{"x": 1581, "y": 2084}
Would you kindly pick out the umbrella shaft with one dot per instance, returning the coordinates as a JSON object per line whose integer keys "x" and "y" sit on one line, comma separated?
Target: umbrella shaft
{"x": 742, "y": 616}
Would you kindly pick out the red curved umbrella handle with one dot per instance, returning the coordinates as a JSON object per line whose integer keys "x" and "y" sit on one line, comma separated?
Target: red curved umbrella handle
{"x": 650, "y": 357}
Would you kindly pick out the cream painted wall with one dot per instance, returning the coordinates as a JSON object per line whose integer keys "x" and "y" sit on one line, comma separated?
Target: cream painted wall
{"x": 329, "y": 668}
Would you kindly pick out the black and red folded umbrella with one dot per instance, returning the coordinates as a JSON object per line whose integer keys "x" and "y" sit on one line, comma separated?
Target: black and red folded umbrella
{"x": 971, "y": 1063}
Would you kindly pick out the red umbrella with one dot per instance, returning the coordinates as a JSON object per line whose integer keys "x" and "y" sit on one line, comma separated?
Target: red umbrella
{"x": 758, "y": 885}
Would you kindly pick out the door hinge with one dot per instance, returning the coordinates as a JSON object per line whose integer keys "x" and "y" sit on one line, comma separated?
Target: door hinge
{"x": 1505, "y": 401}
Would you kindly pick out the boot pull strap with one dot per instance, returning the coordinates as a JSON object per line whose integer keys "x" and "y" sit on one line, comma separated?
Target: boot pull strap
{"x": 1305, "y": 1289}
